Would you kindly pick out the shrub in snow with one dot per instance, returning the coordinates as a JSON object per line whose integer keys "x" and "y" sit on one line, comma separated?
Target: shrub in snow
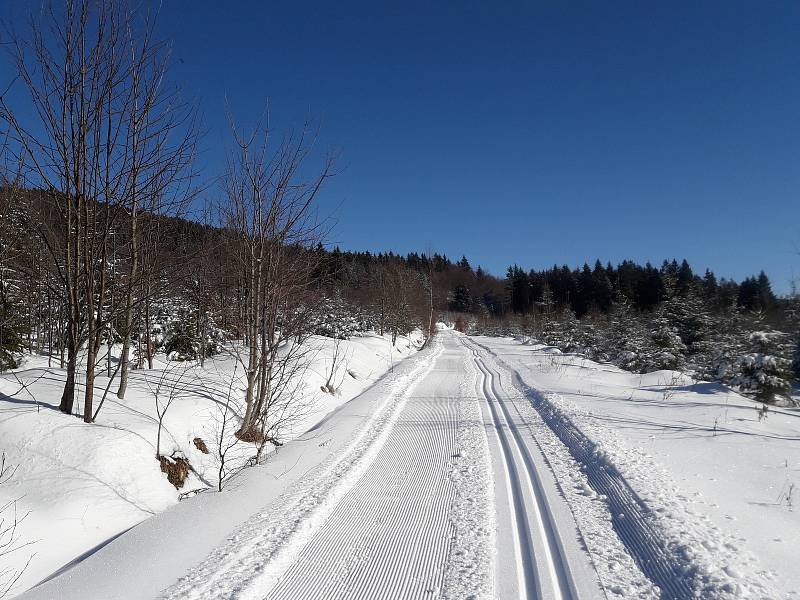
{"x": 182, "y": 343}
{"x": 11, "y": 334}
{"x": 337, "y": 318}
{"x": 625, "y": 341}
{"x": 668, "y": 350}
{"x": 765, "y": 371}
{"x": 176, "y": 330}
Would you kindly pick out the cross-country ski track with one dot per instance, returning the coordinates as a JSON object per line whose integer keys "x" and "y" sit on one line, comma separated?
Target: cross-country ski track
{"x": 432, "y": 484}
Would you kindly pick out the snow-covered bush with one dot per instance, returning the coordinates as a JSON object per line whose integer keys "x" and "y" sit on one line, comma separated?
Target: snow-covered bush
{"x": 11, "y": 333}
{"x": 668, "y": 351}
{"x": 181, "y": 339}
{"x": 625, "y": 341}
{"x": 176, "y": 330}
{"x": 337, "y": 318}
{"x": 765, "y": 371}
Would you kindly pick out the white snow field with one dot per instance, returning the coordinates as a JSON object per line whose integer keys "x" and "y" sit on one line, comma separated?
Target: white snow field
{"x": 487, "y": 468}
{"x": 716, "y": 481}
{"x": 82, "y": 485}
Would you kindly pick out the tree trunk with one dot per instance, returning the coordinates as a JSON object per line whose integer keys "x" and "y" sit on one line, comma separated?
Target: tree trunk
{"x": 68, "y": 395}
{"x": 88, "y": 401}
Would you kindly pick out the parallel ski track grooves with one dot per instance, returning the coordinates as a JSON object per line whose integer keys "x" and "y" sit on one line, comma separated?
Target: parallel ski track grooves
{"x": 241, "y": 568}
{"x": 552, "y": 566}
{"x": 390, "y": 535}
{"x": 631, "y": 517}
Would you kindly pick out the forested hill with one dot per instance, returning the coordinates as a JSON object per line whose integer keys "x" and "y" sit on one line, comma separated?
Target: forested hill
{"x": 190, "y": 275}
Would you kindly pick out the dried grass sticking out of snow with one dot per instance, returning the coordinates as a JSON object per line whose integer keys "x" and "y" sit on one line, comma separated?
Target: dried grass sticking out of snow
{"x": 722, "y": 569}
{"x": 469, "y": 573}
{"x": 617, "y": 572}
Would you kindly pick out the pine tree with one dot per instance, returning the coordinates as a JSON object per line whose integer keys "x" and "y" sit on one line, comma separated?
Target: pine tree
{"x": 765, "y": 371}
{"x": 12, "y": 333}
{"x": 181, "y": 341}
{"x": 625, "y": 341}
{"x": 602, "y": 290}
{"x": 669, "y": 351}
{"x": 684, "y": 278}
{"x": 461, "y": 299}
{"x": 582, "y": 300}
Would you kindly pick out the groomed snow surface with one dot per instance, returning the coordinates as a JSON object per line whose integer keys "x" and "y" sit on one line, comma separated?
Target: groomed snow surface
{"x": 476, "y": 468}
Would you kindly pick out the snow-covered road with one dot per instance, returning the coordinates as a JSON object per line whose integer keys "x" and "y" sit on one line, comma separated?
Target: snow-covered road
{"x": 440, "y": 482}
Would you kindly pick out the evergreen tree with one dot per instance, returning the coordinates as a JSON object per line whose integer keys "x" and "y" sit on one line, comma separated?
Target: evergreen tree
{"x": 685, "y": 278}
{"x": 602, "y": 289}
{"x": 518, "y": 290}
{"x": 766, "y": 298}
{"x": 181, "y": 339}
{"x": 747, "y": 297}
{"x": 765, "y": 371}
{"x": 582, "y": 300}
{"x": 668, "y": 351}
{"x": 625, "y": 341}
{"x": 650, "y": 289}
{"x": 12, "y": 333}
{"x": 709, "y": 285}
{"x": 461, "y": 299}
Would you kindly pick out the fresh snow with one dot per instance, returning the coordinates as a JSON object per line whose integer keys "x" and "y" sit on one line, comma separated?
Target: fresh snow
{"x": 478, "y": 468}
{"x": 82, "y": 485}
{"x": 720, "y": 481}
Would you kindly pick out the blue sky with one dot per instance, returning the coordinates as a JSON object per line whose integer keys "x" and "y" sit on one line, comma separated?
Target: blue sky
{"x": 534, "y": 133}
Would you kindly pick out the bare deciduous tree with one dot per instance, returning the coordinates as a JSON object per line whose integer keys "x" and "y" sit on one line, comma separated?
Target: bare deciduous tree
{"x": 270, "y": 218}
{"x": 10, "y": 521}
{"x": 109, "y": 141}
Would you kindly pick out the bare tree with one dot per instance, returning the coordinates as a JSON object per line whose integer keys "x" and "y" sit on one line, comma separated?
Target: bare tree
{"x": 270, "y": 218}
{"x": 331, "y": 385}
{"x": 10, "y": 520}
{"x": 167, "y": 389}
{"x": 110, "y": 141}
{"x": 226, "y": 422}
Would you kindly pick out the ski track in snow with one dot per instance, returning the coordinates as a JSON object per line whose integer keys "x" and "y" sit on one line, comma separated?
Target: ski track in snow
{"x": 678, "y": 571}
{"x": 541, "y": 574}
{"x": 266, "y": 547}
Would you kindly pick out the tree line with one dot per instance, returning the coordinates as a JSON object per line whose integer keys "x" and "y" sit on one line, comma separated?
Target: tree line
{"x": 99, "y": 267}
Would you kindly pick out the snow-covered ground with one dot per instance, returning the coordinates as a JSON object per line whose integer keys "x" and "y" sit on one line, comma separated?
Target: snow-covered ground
{"x": 481, "y": 468}
{"x": 82, "y": 485}
{"x": 721, "y": 478}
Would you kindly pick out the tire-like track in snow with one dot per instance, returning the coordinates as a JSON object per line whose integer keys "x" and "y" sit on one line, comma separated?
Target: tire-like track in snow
{"x": 542, "y": 567}
{"x": 632, "y": 520}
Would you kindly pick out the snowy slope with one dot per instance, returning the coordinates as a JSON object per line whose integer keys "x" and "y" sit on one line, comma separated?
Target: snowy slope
{"x": 721, "y": 481}
{"x": 82, "y": 485}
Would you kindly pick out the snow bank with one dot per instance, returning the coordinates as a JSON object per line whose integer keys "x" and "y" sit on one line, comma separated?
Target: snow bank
{"x": 82, "y": 485}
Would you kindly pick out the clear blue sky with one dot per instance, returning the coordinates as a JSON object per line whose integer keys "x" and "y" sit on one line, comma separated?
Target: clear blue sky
{"x": 534, "y": 133}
